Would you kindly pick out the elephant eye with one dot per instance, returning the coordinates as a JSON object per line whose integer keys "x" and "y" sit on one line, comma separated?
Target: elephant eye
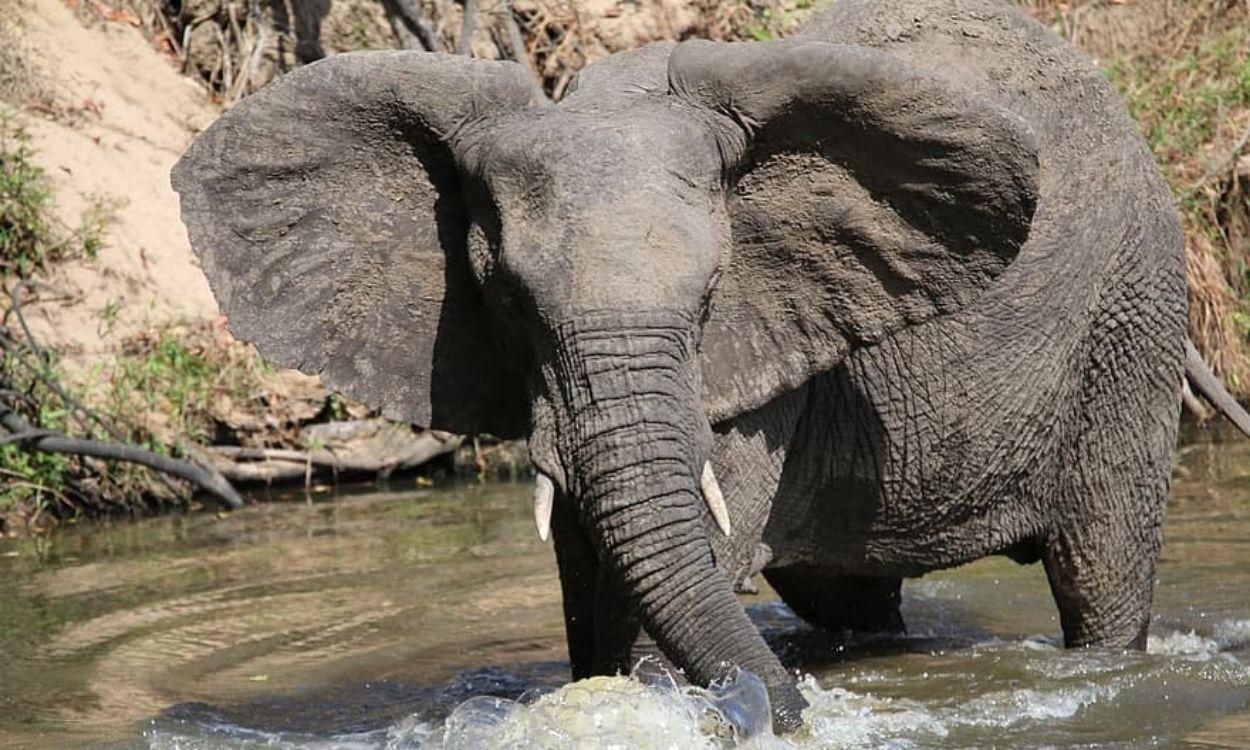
{"x": 483, "y": 257}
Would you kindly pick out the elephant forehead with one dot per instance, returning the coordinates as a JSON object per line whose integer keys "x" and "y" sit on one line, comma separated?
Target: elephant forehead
{"x": 601, "y": 148}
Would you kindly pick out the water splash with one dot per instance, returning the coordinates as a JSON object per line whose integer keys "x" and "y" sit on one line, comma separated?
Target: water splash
{"x": 1037, "y": 690}
{"x": 645, "y": 710}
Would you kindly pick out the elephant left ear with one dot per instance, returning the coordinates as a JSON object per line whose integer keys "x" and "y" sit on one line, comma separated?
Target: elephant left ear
{"x": 867, "y": 196}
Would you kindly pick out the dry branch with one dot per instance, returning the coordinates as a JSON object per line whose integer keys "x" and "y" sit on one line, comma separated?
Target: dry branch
{"x": 241, "y": 463}
{"x": 464, "y": 45}
{"x": 47, "y": 441}
{"x": 413, "y": 21}
{"x": 514, "y": 45}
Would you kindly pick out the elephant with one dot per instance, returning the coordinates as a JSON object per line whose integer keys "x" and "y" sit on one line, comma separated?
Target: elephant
{"x": 899, "y": 292}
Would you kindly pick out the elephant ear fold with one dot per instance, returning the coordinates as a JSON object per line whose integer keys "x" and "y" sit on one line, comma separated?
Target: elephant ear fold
{"x": 866, "y": 196}
{"x": 327, "y": 214}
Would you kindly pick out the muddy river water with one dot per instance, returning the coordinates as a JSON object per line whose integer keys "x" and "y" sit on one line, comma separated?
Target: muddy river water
{"x": 429, "y": 618}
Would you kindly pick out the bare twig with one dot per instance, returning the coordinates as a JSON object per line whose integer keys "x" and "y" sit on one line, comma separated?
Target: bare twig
{"x": 169, "y": 32}
{"x": 57, "y": 495}
{"x": 464, "y": 45}
{"x": 1224, "y": 164}
{"x": 412, "y": 19}
{"x": 15, "y": 298}
{"x": 517, "y": 43}
{"x": 186, "y": 42}
{"x": 562, "y": 84}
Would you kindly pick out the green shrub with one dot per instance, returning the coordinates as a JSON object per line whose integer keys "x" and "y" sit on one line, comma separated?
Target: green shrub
{"x": 24, "y": 196}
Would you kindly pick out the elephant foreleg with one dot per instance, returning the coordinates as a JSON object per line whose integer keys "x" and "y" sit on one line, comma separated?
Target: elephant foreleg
{"x": 579, "y": 573}
{"x": 1103, "y": 543}
{"x": 1101, "y": 570}
{"x": 604, "y": 636}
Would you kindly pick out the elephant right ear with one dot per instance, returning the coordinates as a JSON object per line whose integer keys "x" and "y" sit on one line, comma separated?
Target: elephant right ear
{"x": 327, "y": 212}
{"x": 867, "y": 195}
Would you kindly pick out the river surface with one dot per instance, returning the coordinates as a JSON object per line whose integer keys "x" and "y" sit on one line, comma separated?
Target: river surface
{"x": 366, "y": 620}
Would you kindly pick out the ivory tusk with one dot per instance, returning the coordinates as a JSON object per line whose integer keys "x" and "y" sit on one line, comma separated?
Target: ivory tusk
{"x": 714, "y": 499}
{"x": 544, "y": 501}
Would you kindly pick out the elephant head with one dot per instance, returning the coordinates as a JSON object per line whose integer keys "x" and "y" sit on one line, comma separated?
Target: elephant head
{"x": 693, "y": 231}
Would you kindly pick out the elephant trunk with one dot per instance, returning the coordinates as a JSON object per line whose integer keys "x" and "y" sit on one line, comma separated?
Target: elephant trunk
{"x": 635, "y": 443}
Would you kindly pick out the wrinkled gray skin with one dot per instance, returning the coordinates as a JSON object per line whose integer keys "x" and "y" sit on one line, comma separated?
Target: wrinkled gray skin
{"x": 912, "y": 282}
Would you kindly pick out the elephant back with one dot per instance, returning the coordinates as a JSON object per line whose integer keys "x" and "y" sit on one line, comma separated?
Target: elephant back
{"x": 1104, "y": 209}
{"x": 993, "y": 48}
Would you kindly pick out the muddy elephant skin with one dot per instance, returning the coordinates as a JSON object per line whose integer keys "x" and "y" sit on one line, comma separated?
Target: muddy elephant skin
{"x": 898, "y": 293}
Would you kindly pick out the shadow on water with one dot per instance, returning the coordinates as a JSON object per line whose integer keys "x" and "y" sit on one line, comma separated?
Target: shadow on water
{"x": 362, "y": 708}
{"x": 364, "y": 621}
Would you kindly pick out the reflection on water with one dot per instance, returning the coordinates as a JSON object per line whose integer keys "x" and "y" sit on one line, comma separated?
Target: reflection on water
{"x": 365, "y": 622}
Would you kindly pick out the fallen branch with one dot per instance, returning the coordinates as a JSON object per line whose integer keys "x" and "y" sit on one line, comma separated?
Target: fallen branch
{"x": 266, "y": 472}
{"x": 239, "y": 463}
{"x": 51, "y": 442}
{"x": 19, "y": 437}
{"x": 42, "y": 371}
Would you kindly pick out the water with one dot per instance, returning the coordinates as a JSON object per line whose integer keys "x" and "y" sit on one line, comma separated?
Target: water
{"x": 364, "y": 622}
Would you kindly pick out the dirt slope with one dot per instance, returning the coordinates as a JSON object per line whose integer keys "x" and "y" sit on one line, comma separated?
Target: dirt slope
{"x": 121, "y": 116}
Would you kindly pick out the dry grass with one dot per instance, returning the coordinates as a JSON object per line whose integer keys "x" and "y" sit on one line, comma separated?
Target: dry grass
{"x": 20, "y": 84}
{"x": 563, "y": 36}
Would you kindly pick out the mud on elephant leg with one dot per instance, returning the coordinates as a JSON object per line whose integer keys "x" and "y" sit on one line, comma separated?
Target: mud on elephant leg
{"x": 833, "y": 603}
